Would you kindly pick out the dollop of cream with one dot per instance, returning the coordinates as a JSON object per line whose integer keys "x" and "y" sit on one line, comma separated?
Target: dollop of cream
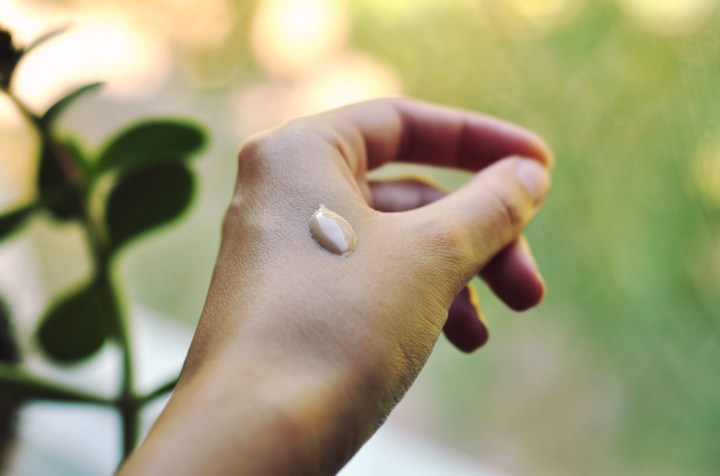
{"x": 332, "y": 232}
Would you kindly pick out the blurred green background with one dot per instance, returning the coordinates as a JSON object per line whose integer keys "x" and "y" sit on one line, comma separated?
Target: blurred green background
{"x": 618, "y": 372}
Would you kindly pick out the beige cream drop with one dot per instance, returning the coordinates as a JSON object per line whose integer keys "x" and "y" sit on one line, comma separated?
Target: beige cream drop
{"x": 332, "y": 232}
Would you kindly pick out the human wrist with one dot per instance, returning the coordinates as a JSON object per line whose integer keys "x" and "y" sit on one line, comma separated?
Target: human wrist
{"x": 274, "y": 416}
{"x": 316, "y": 411}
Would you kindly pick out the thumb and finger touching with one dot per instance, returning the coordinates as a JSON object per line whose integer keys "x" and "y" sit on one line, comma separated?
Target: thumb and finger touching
{"x": 488, "y": 213}
{"x": 465, "y": 327}
{"x": 504, "y": 196}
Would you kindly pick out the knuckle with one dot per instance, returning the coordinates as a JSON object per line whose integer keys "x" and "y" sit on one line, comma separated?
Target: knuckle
{"x": 505, "y": 213}
{"x": 254, "y": 145}
{"x": 272, "y": 152}
{"x": 253, "y": 152}
{"x": 269, "y": 145}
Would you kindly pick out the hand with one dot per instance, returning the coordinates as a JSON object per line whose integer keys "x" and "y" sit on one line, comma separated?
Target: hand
{"x": 300, "y": 353}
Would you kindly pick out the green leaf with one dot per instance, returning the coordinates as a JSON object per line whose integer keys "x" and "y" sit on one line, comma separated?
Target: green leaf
{"x": 152, "y": 142}
{"x": 44, "y": 38}
{"x": 12, "y": 221}
{"x": 56, "y": 109}
{"x": 76, "y": 153}
{"x": 55, "y": 190}
{"x": 74, "y": 328}
{"x": 147, "y": 198}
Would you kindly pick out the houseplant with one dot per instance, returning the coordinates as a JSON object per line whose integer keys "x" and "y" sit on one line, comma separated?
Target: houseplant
{"x": 140, "y": 180}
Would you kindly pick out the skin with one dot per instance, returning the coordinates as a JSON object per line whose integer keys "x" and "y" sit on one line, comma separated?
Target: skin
{"x": 300, "y": 354}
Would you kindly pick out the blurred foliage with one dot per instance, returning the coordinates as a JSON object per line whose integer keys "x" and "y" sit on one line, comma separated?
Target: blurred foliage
{"x": 9, "y": 404}
{"x": 627, "y": 243}
{"x": 151, "y": 143}
{"x": 139, "y": 191}
{"x": 138, "y": 182}
{"x": 75, "y": 327}
{"x": 12, "y": 221}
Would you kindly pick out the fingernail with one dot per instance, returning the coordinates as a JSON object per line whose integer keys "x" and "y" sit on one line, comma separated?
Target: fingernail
{"x": 534, "y": 177}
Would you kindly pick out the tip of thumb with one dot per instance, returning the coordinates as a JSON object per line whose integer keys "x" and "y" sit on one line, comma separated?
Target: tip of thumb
{"x": 534, "y": 177}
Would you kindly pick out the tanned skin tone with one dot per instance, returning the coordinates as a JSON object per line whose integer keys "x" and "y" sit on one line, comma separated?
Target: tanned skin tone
{"x": 300, "y": 354}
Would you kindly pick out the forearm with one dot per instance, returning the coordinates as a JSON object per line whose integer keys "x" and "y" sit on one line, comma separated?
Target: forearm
{"x": 258, "y": 409}
{"x": 250, "y": 421}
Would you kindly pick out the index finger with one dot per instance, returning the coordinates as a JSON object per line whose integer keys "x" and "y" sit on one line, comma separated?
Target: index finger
{"x": 380, "y": 131}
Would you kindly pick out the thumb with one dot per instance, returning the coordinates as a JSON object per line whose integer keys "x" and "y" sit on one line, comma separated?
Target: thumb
{"x": 470, "y": 226}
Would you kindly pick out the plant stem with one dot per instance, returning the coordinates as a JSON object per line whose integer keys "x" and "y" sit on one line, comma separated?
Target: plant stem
{"x": 130, "y": 423}
{"x": 16, "y": 380}
{"x": 127, "y": 401}
{"x": 127, "y": 404}
{"x": 162, "y": 389}
{"x": 29, "y": 208}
